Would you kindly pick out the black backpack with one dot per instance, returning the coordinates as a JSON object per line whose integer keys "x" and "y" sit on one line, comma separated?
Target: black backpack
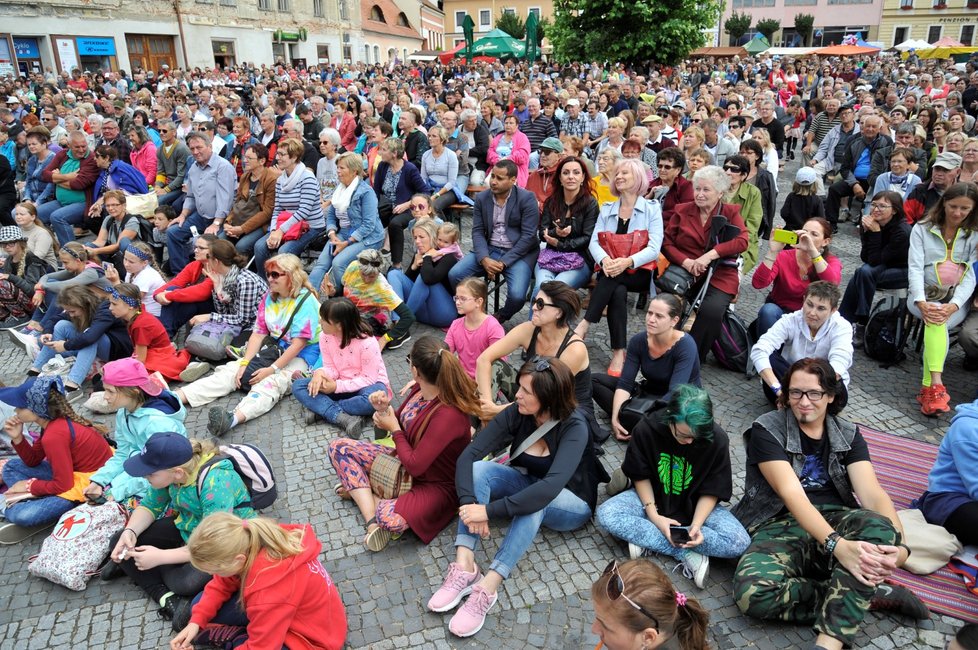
{"x": 886, "y": 332}
{"x": 732, "y": 346}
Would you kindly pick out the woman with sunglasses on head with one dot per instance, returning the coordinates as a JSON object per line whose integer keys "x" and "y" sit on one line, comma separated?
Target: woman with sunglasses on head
{"x": 763, "y": 180}
{"x": 289, "y": 314}
{"x": 551, "y": 479}
{"x": 637, "y": 606}
{"x": 396, "y": 181}
{"x": 378, "y": 302}
{"x": 749, "y": 199}
{"x": 675, "y": 511}
{"x": 424, "y": 284}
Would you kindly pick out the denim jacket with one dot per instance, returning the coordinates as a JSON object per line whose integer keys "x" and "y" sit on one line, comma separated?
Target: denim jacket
{"x": 760, "y": 502}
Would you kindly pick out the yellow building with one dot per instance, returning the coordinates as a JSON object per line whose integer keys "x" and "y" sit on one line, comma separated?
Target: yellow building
{"x": 484, "y": 14}
{"x": 928, "y": 20}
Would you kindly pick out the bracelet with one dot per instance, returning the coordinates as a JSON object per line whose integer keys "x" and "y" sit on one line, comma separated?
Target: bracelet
{"x": 776, "y": 388}
{"x": 831, "y": 542}
{"x": 134, "y": 533}
{"x": 243, "y": 362}
{"x": 645, "y": 506}
{"x": 902, "y": 545}
{"x": 816, "y": 260}
{"x": 274, "y": 367}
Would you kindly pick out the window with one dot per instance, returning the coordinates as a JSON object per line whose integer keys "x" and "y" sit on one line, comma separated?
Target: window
{"x": 900, "y": 35}
{"x": 789, "y": 3}
{"x": 972, "y": 4}
{"x": 458, "y": 41}
{"x": 264, "y": 5}
{"x": 485, "y": 18}
{"x": 459, "y": 19}
{"x": 317, "y": 8}
{"x": 850, "y": 2}
{"x": 940, "y": 4}
{"x": 377, "y": 14}
{"x": 347, "y": 54}
{"x": 509, "y": 10}
{"x": 402, "y": 20}
{"x": 534, "y": 10}
{"x": 284, "y": 6}
{"x": 229, "y": 3}
{"x": 344, "y": 10}
{"x": 934, "y": 33}
{"x": 967, "y": 34}
{"x": 376, "y": 54}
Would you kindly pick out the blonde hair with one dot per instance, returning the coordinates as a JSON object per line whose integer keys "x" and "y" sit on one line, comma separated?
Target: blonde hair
{"x": 146, "y": 250}
{"x": 352, "y": 162}
{"x": 292, "y": 266}
{"x": 619, "y": 122}
{"x": 449, "y": 229}
{"x": 201, "y": 448}
{"x": 764, "y": 139}
{"x": 222, "y": 536}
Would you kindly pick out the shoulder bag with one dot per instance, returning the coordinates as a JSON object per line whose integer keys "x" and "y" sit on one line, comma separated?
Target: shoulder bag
{"x": 270, "y": 350}
{"x": 506, "y": 458}
{"x": 388, "y": 477}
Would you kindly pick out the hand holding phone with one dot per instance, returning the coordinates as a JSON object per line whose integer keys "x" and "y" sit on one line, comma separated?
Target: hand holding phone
{"x": 679, "y": 535}
{"x": 785, "y": 236}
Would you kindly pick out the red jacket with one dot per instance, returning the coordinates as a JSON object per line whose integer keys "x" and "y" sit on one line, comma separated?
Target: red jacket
{"x": 680, "y": 192}
{"x": 189, "y": 285}
{"x": 87, "y": 451}
{"x": 291, "y": 602}
{"x": 687, "y": 238}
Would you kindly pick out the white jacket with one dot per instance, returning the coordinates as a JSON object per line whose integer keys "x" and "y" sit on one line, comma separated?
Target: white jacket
{"x": 832, "y": 342}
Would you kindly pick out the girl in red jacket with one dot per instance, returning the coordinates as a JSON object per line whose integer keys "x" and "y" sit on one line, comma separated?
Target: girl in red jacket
{"x": 285, "y": 598}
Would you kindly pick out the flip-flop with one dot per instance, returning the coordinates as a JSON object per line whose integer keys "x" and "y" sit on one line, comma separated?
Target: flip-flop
{"x": 376, "y": 539}
{"x": 341, "y": 492}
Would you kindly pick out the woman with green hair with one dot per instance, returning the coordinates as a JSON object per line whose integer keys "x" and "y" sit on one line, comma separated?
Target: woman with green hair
{"x": 679, "y": 465}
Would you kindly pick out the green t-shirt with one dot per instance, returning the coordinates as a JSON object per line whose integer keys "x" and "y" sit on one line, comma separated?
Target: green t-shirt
{"x": 64, "y": 195}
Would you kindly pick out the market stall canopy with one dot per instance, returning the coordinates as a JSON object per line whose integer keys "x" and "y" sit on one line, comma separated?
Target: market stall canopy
{"x": 500, "y": 44}
{"x": 912, "y": 44}
{"x": 445, "y": 57}
{"x": 947, "y": 41}
{"x": 790, "y": 51}
{"x": 719, "y": 52}
{"x": 947, "y": 53}
{"x": 423, "y": 55}
{"x": 846, "y": 50}
{"x": 757, "y": 45}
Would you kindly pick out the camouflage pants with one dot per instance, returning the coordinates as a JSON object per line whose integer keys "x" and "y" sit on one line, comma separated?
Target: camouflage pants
{"x": 785, "y": 576}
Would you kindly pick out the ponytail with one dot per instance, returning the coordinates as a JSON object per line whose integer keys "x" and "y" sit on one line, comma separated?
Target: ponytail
{"x": 439, "y": 366}
{"x": 690, "y": 625}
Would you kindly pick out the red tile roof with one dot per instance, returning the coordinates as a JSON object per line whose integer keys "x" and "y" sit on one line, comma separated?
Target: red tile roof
{"x": 390, "y": 12}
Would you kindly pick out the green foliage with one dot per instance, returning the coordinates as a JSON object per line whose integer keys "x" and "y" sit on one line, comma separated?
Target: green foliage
{"x": 737, "y": 25}
{"x": 769, "y": 27}
{"x": 542, "y": 27}
{"x": 628, "y": 31}
{"x": 805, "y": 25}
{"x": 512, "y": 25}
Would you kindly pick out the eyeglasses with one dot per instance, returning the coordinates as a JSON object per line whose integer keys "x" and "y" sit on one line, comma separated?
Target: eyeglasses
{"x": 880, "y": 206}
{"x": 665, "y": 167}
{"x": 813, "y": 395}
{"x": 198, "y": 247}
{"x": 540, "y": 363}
{"x": 731, "y": 168}
{"x": 539, "y": 304}
{"x": 419, "y": 207}
{"x": 274, "y": 275}
{"x": 374, "y": 263}
{"x": 463, "y": 298}
{"x": 696, "y": 121}
{"x": 616, "y": 589}
{"x": 112, "y": 205}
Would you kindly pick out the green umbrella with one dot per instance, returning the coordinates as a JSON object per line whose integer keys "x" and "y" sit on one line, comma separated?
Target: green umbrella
{"x": 531, "y": 37}
{"x": 467, "y": 27}
{"x": 757, "y": 45}
{"x": 499, "y": 44}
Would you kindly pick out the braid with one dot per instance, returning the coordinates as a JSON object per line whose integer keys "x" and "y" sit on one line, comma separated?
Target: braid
{"x": 144, "y": 247}
{"x": 22, "y": 264}
{"x": 60, "y": 408}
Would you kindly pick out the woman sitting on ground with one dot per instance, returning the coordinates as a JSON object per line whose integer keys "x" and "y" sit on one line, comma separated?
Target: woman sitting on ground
{"x": 352, "y": 370}
{"x": 637, "y": 606}
{"x": 189, "y": 292}
{"x": 622, "y": 272}
{"x": 19, "y": 273}
{"x": 949, "y": 500}
{"x": 430, "y": 430}
{"x": 142, "y": 407}
{"x": 77, "y": 269}
{"x": 151, "y": 344}
{"x": 289, "y": 313}
{"x": 40, "y": 241}
{"x": 550, "y": 482}
{"x": 666, "y": 357}
{"x": 266, "y": 564}
{"x": 152, "y": 549}
{"x": 685, "y": 434}
{"x": 424, "y": 284}
{"x": 48, "y": 476}
{"x": 792, "y": 270}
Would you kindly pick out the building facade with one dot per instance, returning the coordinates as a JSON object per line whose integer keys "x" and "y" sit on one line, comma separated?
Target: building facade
{"x": 833, "y": 18}
{"x": 484, "y": 14}
{"x": 92, "y": 34}
{"x": 389, "y": 35}
{"x": 928, "y": 20}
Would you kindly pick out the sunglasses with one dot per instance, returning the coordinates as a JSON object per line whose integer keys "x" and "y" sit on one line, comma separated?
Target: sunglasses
{"x": 274, "y": 275}
{"x": 373, "y": 263}
{"x": 540, "y": 363}
{"x": 539, "y": 304}
{"x": 731, "y": 168}
{"x": 616, "y": 590}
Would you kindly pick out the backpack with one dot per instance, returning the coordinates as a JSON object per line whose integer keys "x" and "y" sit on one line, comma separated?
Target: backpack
{"x": 732, "y": 346}
{"x": 886, "y": 332}
{"x": 254, "y": 469}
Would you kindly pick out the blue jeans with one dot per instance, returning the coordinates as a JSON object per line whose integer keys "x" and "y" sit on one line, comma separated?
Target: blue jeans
{"x": 858, "y": 299}
{"x": 767, "y": 316}
{"x": 84, "y": 358}
{"x": 246, "y": 243}
{"x": 329, "y": 407}
{"x": 174, "y": 198}
{"x": 518, "y": 276}
{"x": 295, "y": 246}
{"x": 575, "y": 279}
{"x": 177, "y": 314}
{"x": 179, "y": 240}
{"x": 335, "y": 265}
{"x": 62, "y": 218}
{"x": 624, "y": 517}
{"x": 231, "y": 613}
{"x": 492, "y": 481}
{"x": 33, "y": 512}
{"x": 430, "y": 304}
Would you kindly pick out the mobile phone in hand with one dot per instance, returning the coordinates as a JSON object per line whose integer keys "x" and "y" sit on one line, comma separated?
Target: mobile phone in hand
{"x": 679, "y": 534}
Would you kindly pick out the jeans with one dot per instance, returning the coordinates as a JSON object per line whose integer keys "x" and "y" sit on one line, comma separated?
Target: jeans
{"x": 492, "y": 481}
{"x": 246, "y": 243}
{"x": 37, "y": 511}
{"x": 329, "y": 407}
{"x": 518, "y": 276}
{"x": 534, "y": 162}
{"x": 767, "y": 316}
{"x": 858, "y": 299}
{"x": 295, "y": 247}
{"x": 334, "y": 265}
{"x": 838, "y": 191}
{"x": 431, "y": 304}
{"x": 179, "y": 240}
{"x": 117, "y": 257}
{"x": 177, "y": 314}
{"x": 624, "y": 517}
{"x": 174, "y": 198}
{"x": 84, "y": 358}
{"x": 575, "y": 279}
{"x": 62, "y": 218}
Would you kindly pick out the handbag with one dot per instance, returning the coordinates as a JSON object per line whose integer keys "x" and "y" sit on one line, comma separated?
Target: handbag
{"x": 210, "y": 340}
{"x": 506, "y": 458}
{"x": 675, "y": 280}
{"x": 637, "y": 408}
{"x": 244, "y": 209}
{"x": 388, "y": 477}
{"x": 559, "y": 261}
{"x": 931, "y": 546}
{"x": 142, "y": 204}
{"x": 296, "y": 231}
{"x": 270, "y": 350}
{"x": 626, "y": 245}
{"x": 78, "y": 544}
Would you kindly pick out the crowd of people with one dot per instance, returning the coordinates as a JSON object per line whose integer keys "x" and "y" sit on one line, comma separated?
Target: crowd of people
{"x": 245, "y": 230}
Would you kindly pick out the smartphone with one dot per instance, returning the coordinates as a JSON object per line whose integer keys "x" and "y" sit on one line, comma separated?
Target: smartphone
{"x": 106, "y": 265}
{"x": 679, "y": 534}
{"x": 785, "y": 236}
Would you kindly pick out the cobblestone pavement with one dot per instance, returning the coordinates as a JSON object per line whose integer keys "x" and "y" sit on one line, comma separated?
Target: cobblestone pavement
{"x": 545, "y": 604}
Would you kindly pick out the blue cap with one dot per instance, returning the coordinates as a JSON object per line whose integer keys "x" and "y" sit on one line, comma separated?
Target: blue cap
{"x": 163, "y": 450}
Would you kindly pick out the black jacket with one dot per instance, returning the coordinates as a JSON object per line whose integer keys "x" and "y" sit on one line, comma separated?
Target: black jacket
{"x": 854, "y": 149}
{"x": 102, "y": 323}
{"x": 481, "y": 148}
{"x": 34, "y": 268}
{"x": 889, "y": 247}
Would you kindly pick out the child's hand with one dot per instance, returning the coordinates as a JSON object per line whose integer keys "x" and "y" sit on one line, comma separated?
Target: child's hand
{"x": 185, "y": 640}
{"x": 380, "y": 400}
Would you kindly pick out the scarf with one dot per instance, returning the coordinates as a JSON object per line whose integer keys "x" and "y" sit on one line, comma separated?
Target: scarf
{"x": 343, "y": 195}
{"x": 289, "y": 183}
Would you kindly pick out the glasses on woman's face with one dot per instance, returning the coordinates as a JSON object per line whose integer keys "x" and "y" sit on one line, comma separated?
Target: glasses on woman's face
{"x": 879, "y": 207}
{"x": 539, "y": 304}
{"x": 463, "y": 299}
{"x": 616, "y": 590}
{"x": 419, "y": 207}
{"x": 374, "y": 263}
{"x": 665, "y": 167}
{"x": 114, "y": 204}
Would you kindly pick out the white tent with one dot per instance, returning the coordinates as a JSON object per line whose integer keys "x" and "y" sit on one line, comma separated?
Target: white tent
{"x": 912, "y": 44}
{"x": 790, "y": 51}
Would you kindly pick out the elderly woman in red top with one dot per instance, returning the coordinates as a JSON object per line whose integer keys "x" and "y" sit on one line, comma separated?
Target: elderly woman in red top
{"x": 687, "y": 242}
{"x": 671, "y": 188}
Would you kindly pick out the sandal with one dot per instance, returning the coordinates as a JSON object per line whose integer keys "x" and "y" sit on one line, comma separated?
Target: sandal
{"x": 377, "y": 538}
{"x": 341, "y": 492}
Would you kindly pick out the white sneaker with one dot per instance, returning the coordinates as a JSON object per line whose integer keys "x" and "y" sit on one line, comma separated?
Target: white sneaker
{"x": 634, "y": 551}
{"x": 26, "y": 342}
{"x": 194, "y": 371}
{"x": 696, "y": 567}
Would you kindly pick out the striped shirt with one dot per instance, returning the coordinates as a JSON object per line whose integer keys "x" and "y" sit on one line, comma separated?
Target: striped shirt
{"x": 538, "y": 130}
{"x": 820, "y": 126}
{"x": 302, "y": 200}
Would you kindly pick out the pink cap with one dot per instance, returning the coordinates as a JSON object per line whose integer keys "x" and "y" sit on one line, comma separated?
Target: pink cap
{"x": 130, "y": 372}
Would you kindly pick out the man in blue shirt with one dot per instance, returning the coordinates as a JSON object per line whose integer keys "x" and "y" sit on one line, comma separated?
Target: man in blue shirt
{"x": 856, "y": 164}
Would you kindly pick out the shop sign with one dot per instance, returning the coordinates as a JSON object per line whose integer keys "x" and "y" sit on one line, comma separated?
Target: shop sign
{"x": 96, "y": 46}
{"x": 26, "y": 48}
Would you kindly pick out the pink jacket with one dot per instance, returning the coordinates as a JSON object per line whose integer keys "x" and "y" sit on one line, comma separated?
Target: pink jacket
{"x": 145, "y": 161}
{"x": 354, "y": 367}
{"x": 520, "y": 155}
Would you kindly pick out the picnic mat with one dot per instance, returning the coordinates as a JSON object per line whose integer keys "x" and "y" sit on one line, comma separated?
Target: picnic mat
{"x": 902, "y": 466}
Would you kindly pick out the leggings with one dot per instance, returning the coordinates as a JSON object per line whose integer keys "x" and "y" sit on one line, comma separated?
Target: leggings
{"x": 395, "y": 230}
{"x": 612, "y": 292}
{"x": 936, "y": 341}
{"x": 352, "y": 460}
{"x": 181, "y": 579}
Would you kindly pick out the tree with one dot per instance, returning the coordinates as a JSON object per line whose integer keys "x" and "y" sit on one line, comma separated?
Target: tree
{"x": 512, "y": 25}
{"x": 805, "y": 25}
{"x": 542, "y": 28}
{"x": 736, "y": 26}
{"x": 630, "y": 31}
{"x": 768, "y": 27}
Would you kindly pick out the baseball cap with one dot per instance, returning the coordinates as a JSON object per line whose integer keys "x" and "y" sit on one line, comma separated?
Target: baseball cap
{"x": 553, "y": 144}
{"x": 947, "y": 160}
{"x": 805, "y": 176}
{"x": 663, "y": 109}
{"x": 573, "y": 102}
{"x": 128, "y": 372}
{"x": 119, "y": 103}
{"x": 13, "y": 99}
{"x": 163, "y": 450}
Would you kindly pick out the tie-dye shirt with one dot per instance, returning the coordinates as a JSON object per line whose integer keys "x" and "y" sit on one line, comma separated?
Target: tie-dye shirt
{"x": 273, "y": 315}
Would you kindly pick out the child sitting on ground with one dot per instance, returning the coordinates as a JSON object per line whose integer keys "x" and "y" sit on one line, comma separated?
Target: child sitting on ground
{"x": 151, "y": 343}
{"x": 142, "y": 271}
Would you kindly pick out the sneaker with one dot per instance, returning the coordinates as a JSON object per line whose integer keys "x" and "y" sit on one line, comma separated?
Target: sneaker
{"x": 635, "y": 551}
{"x": 618, "y": 483}
{"x": 235, "y": 352}
{"x": 171, "y": 604}
{"x": 352, "y": 425}
{"x": 470, "y": 619}
{"x": 181, "y": 613}
{"x": 219, "y": 421}
{"x": 26, "y": 342}
{"x": 858, "y": 335}
{"x": 111, "y": 570}
{"x": 311, "y": 417}
{"x": 74, "y": 395}
{"x": 97, "y": 404}
{"x": 457, "y": 585}
{"x": 941, "y": 402}
{"x": 14, "y": 534}
{"x": 696, "y": 567}
{"x": 396, "y": 343}
{"x": 923, "y": 395}
{"x": 899, "y": 600}
{"x": 194, "y": 371}
{"x": 216, "y": 635}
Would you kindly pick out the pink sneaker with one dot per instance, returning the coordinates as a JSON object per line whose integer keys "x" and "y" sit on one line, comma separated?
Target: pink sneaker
{"x": 470, "y": 619}
{"x": 457, "y": 585}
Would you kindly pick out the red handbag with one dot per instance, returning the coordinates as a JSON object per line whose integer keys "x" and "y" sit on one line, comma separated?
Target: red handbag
{"x": 625, "y": 245}
{"x": 296, "y": 231}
